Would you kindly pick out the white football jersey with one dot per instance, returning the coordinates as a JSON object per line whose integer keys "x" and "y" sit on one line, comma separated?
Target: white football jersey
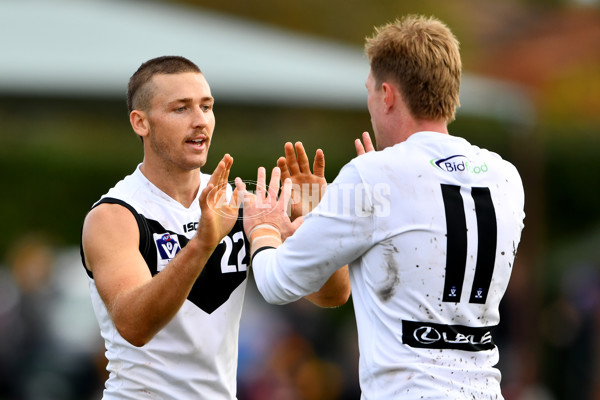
{"x": 429, "y": 228}
{"x": 195, "y": 355}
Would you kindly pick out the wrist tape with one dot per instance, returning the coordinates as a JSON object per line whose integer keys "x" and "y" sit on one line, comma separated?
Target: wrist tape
{"x": 264, "y": 235}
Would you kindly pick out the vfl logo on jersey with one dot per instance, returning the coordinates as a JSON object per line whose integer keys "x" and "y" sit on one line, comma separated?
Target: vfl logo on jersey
{"x": 167, "y": 246}
{"x": 459, "y": 163}
{"x": 427, "y": 335}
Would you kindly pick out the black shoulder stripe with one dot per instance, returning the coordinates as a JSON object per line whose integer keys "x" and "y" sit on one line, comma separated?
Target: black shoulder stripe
{"x": 145, "y": 236}
{"x": 82, "y": 255}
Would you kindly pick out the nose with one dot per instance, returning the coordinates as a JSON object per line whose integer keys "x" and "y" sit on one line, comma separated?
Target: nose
{"x": 200, "y": 117}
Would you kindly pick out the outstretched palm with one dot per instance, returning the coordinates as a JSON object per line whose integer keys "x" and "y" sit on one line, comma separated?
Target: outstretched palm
{"x": 218, "y": 214}
{"x": 307, "y": 187}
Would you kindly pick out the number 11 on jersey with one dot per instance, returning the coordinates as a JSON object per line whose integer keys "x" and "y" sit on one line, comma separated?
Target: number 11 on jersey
{"x": 456, "y": 253}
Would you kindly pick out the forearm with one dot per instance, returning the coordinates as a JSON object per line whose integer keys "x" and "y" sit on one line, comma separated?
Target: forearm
{"x": 282, "y": 279}
{"x": 312, "y": 261}
{"x": 271, "y": 281}
{"x": 141, "y": 312}
{"x": 335, "y": 292}
{"x": 301, "y": 268}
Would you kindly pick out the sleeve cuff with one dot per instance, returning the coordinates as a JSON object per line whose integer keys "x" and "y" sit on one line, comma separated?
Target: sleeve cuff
{"x": 259, "y": 250}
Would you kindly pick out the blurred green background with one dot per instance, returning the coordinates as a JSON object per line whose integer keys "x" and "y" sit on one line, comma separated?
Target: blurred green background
{"x": 59, "y": 154}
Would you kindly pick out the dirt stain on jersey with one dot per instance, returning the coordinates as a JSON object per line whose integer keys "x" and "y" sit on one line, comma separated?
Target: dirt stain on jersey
{"x": 393, "y": 279}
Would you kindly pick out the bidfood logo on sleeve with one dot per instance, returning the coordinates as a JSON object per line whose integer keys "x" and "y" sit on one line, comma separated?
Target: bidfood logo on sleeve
{"x": 459, "y": 163}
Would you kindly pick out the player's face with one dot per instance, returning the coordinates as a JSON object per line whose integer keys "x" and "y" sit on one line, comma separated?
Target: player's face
{"x": 181, "y": 120}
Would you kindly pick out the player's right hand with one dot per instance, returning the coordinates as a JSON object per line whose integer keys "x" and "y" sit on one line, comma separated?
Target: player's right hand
{"x": 218, "y": 213}
{"x": 307, "y": 187}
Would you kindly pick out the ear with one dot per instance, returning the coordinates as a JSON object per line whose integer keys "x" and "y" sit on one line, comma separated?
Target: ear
{"x": 389, "y": 95}
{"x": 139, "y": 122}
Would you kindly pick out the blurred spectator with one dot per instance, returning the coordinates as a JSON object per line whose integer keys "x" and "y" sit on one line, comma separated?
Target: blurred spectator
{"x": 38, "y": 320}
{"x": 296, "y": 352}
{"x": 570, "y": 328}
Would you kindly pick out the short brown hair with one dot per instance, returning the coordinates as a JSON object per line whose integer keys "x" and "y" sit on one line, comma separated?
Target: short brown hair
{"x": 139, "y": 93}
{"x": 421, "y": 55}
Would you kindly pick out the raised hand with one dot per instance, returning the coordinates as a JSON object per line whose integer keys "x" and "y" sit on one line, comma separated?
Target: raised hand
{"x": 218, "y": 214}
{"x": 264, "y": 212}
{"x": 307, "y": 187}
{"x": 367, "y": 147}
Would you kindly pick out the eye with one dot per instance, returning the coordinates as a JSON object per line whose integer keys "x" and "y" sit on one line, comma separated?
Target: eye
{"x": 180, "y": 109}
{"x": 206, "y": 107}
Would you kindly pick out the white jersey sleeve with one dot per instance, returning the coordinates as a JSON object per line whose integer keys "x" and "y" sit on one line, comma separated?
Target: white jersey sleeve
{"x": 342, "y": 238}
{"x": 429, "y": 228}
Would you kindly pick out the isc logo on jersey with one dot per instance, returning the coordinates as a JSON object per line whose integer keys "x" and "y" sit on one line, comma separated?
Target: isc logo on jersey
{"x": 167, "y": 247}
{"x": 459, "y": 163}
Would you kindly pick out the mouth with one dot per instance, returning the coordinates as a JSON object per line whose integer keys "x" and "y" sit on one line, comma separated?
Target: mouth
{"x": 199, "y": 143}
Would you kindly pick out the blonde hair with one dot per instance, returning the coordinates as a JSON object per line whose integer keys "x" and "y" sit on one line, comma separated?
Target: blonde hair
{"x": 420, "y": 55}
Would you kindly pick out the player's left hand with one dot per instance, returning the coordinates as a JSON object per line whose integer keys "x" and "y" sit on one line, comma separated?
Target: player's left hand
{"x": 218, "y": 214}
{"x": 366, "y": 147}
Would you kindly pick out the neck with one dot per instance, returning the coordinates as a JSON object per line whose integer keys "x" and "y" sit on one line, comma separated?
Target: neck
{"x": 403, "y": 129}
{"x": 429, "y": 125}
{"x": 181, "y": 186}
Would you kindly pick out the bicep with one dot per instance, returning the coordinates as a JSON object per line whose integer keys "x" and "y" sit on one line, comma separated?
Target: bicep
{"x": 110, "y": 242}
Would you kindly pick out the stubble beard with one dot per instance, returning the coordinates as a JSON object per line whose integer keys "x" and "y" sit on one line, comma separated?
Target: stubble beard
{"x": 171, "y": 157}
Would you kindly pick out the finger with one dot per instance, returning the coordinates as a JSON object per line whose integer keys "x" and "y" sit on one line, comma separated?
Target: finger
{"x": 286, "y": 194}
{"x": 261, "y": 185}
{"x": 236, "y": 201}
{"x": 360, "y": 150}
{"x": 219, "y": 192}
{"x": 228, "y": 160}
{"x": 285, "y": 174}
{"x": 240, "y": 192}
{"x": 367, "y": 141}
{"x": 282, "y": 164}
{"x": 215, "y": 181}
{"x": 216, "y": 175}
{"x": 247, "y": 199}
{"x": 302, "y": 158}
{"x": 240, "y": 185}
{"x": 290, "y": 158}
{"x": 274, "y": 184}
{"x": 319, "y": 164}
{"x": 221, "y": 172}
